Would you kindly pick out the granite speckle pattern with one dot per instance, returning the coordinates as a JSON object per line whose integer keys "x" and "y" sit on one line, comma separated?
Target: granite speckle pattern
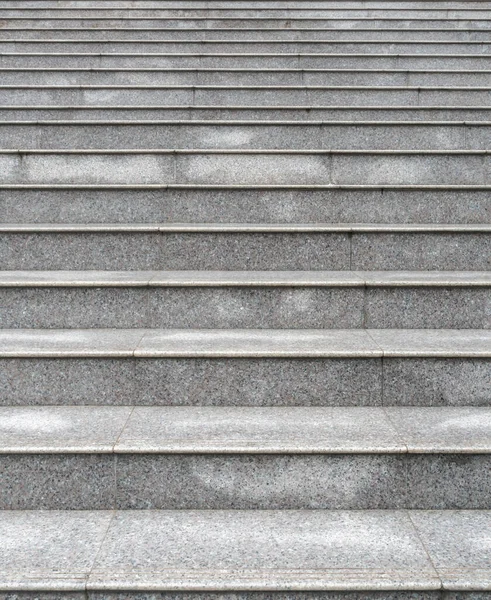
{"x": 260, "y": 482}
{"x": 49, "y": 551}
{"x": 60, "y": 481}
{"x": 214, "y": 550}
{"x": 458, "y": 543}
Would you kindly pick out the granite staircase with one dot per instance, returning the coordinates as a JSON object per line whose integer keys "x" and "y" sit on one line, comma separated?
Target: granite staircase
{"x": 245, "y": 300}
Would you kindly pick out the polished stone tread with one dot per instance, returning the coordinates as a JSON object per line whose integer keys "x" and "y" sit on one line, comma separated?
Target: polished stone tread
{"x": 244, "y": 343}
{"x": 244, "y": 279}
{"x": 244, "y": 550}
{"x": 244, "y": 430}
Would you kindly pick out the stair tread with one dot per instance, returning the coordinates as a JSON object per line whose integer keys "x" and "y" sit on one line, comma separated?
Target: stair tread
{"x": 245, "y": 550}
{"x": 244, "y": 430}
{"x": 245, "y": 343}
{"x": 243, "y": 227}
{"x": 245, "y": 278}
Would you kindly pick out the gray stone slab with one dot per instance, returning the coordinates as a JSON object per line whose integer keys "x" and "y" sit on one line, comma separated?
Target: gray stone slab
{"x": 457, "y": 542}
{"x": 188, "y": 382}
{"x": 271, "y": 430}
{"x": 188, "y": 550}
{"x": 255, "y": 308}
{"x": 420, "y": 251}
{"x": 448, "y": 481}
{"x": 257, "y": 344}
{"x": 71, "y": 250}
{"x": 63, "y": 429}
{"x": 87, "y": 168}
{"x": 433, "y": 343}
{"x": 293, "y": 135}
{"x": 252, "y": 169}
{"x": 420, "y": 308}
{"x": 57, "y": 482}
{"x": 444, "y": 429}
{"x": 248, "y": 205}
{"x": 410, "y": 279}
{"x": 258, "y": 382}
{"x": 49, "y": 551}
{"x": 198, "y": 250}
{"x": 164, "y": 279}
{"x": 432, "y": 169}
{"x": 261, "y": 482}
{"x": 437, "y": 382}
{"x": 69, "y": 343}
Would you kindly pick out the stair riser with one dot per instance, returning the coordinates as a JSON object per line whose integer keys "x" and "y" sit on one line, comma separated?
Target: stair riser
{"x": 244, "y": 206}
{"x": 143, "y": 30}
{"x": 108, "y": 113}
{"x": 174, "y": 482}
{"x": 228, "y": 47}
{"x": 244, "y": 97}
{"x": 276, "y": 22}
{"x": 68, "y": 58}
{"x": 247, "y": 169}
{"x": 251, "y": 78}
{"x": 275, "y": 308}
{"x": 274, "y": 136}
{"x": 246, "y": 382}
{"x": 246, "y": 251}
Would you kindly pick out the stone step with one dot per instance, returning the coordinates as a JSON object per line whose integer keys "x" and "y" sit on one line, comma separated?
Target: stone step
{"x": 274, "y": 300}
{"x": 340, "y": 4}
{"x": 248, "y": 135}
{"x": 413, "y": 114}
{"x": 146, "y": 76}
{"x": 202, "y": 458}
{"x": 387, "y": 47}
{"x": 380, "y": 62}
{"x": 344, "y": 25}
{"x": 301, "y": 95}
{"x": 77, "y": 204}
{"x": 246, "y": 167}
{"x": 141, "y": 30}
{"x": 252, "y": 553}
{"x": 316, "y": 247}
{"x": 244, "y": 367}
{"x": 191, "y": 10}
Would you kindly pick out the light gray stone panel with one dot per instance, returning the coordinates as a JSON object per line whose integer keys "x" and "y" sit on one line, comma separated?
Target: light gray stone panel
{"x": 34, "y": 545}
{"x": 457, "y": 542}
{"x": 172, "y": 550}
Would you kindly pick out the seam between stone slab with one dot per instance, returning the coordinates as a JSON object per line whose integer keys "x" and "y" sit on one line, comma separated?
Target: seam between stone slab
{"x": 425, "y": 548}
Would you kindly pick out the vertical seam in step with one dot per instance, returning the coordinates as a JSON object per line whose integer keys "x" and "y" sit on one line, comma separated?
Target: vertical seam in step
{"x": 382, "y": 379}
{"x": 115, "y": 458}
{"x": 100, "y": 547}
{"x": 350, "y": 239}
{"x": 365, "y": 292}
{"x": 425, "y": 548}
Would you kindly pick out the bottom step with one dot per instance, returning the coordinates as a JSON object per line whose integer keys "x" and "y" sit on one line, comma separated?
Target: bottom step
{"x": 273, "y": 551}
